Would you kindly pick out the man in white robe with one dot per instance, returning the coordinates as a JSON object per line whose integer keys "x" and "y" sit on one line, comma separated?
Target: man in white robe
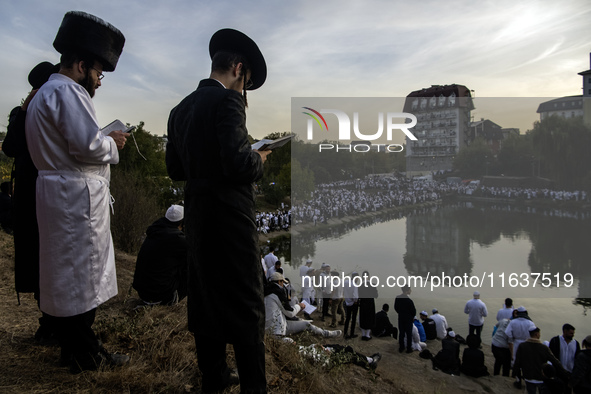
{"x": 76, "y": 257}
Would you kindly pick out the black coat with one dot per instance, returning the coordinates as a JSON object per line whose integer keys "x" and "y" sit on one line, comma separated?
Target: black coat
{"x": 405, "y": 308}
{"x": 581, "y": 376}
{"x": 24, "y": 214}
{"x": 367, "y": 306}
{"x": 208, "y": 147}
{"x": 161, "y": 267}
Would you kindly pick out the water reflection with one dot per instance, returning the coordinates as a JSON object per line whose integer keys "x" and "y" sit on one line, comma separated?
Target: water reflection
{"x": 454, "y": 238}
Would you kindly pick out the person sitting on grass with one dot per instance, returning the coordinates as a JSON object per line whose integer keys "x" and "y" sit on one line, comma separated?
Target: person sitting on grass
{"x": 473, "y": 358}
{"x": 334, "y": 355}
{"x": 277, "y": 308}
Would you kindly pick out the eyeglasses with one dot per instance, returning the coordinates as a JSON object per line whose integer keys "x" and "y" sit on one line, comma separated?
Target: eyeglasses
{"x": 248, "y": 84}
{"x": 99, "y": 73}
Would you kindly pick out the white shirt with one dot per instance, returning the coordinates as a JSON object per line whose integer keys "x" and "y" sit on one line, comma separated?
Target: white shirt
{"x": 505, "y": 313}
{"x": 440, "y": 324}
{"x": 567, "y": 353}
{"x": 270, "y": 260}
{"x": 518, "y": 331}
{"x": 476, "y": 311}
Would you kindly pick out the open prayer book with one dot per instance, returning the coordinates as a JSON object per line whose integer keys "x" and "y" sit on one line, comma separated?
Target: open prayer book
{"x": 309, "y": 308}
{"x": 266, "y": 144}
{"x": 116, "y": 125}
{"x": 119, "y": 125}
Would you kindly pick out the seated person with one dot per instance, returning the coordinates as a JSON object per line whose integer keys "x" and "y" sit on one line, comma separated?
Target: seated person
{"x": 473, "y": 358}
{"x": 160, "y": 276}
{"x": 420, "y": 328}
{"x": 448, "y": 358}
{"x": 429, "y": 326}
{"x": 417, "y": 344}
{"x": 274, "y": 268}
{"x": 333, "y": 355}
{"x": 383, "y": 327}
{"x": 277, "y": 309}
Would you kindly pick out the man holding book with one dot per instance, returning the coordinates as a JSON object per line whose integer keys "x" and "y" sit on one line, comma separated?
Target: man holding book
{"x": 208, "y": 148}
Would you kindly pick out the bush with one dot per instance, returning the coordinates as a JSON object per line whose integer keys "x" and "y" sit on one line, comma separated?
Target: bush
{"x": 136, "y": 207}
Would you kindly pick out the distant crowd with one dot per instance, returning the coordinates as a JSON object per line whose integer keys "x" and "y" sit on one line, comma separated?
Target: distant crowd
{"x": 373, "y": 193}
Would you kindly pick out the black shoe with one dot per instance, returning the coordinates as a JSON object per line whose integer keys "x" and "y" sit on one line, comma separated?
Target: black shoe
{"x": 409, "y": 350}
{"x": 376, "y": 357}
{"x": 353, "y": 336}
{"x": 365, "y": 338}
{"x": 45, "y": 337}
{"x": 400, "y": 350}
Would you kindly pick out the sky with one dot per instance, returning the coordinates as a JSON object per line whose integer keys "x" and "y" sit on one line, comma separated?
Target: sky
{"x": 369, "y": 48}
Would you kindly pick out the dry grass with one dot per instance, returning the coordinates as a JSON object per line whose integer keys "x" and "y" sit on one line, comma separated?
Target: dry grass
{"x": 157, "y": 340}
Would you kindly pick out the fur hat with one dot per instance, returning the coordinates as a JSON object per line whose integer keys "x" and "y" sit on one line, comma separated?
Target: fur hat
{"x": 231, "y": 40}
{"x": 87, "y": 33}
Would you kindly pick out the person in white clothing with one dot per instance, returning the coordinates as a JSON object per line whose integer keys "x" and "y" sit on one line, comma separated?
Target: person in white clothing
{"x": 270, "y": 259}
{"x": 440, "y": 323}
{"x": 506, "y": 312}
{"x": 305, "y": 267}
{"x": 76, "y": 255}
{"x": 476, "y": 311}
{"x": 517, "y": 332}
{"x": 277, "y": 308}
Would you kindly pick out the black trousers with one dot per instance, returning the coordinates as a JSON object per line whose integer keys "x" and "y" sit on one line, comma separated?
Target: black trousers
{"x": 351, "y": 317}
{"x": 76, "y": 338}
{"x": 476, "y": 330}
{"x": 250, "y": 360}
{"x": 405, "y": 331}
{"x": 325, "y": 306}
{"x": 502, "y": 359}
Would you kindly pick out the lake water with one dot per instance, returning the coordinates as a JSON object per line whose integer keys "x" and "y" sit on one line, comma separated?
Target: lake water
{"x": 492, "y": 248}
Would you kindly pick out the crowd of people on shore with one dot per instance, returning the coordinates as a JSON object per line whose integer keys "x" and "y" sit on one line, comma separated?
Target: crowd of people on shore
{"x": 375, "y": 193}
{"x": 277, "y": 220}
{"x": 559, "y": 365}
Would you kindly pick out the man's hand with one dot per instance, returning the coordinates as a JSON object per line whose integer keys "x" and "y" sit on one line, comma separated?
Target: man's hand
{"x": 263, "y": 154}
{"x": 119, "y": 137}
{"x": 302, "y": 305}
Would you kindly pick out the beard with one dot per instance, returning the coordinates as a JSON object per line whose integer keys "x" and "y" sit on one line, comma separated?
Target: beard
{"x": 88, "y": 84}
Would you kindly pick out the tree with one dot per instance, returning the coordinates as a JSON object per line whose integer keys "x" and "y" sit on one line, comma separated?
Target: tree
{"x": 516, "y": 157}
{"x": 475, "y": 160}
{"x": 302, "y": 180}
{"x": 140, "y": 187}
{"x": 563, "y": 145}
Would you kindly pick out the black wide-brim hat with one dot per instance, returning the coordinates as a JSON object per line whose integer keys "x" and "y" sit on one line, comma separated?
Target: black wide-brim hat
{"x": 233, "y": 41}
{"x": 82, "y": 32}
{"x": 41, "y": 73}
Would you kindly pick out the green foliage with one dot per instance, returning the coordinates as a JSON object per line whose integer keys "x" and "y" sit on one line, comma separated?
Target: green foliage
{"x": 5, "y": 167}
{"x": 474, "y": 161}
{"x": 563, "y": 146}
{"x": 141, "y": 188}
{"x": 516, "y": 156}
{"x": 331, "y": 165}
{"x": 302, "y": 181}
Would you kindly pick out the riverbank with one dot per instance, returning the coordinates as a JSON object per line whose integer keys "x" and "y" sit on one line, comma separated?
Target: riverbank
{"x": 301, "y": 228}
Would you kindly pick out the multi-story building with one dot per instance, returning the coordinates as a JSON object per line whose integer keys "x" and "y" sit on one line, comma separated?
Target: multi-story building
{"x": 442, "y": 129}
{"x": 571, "y": 106}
